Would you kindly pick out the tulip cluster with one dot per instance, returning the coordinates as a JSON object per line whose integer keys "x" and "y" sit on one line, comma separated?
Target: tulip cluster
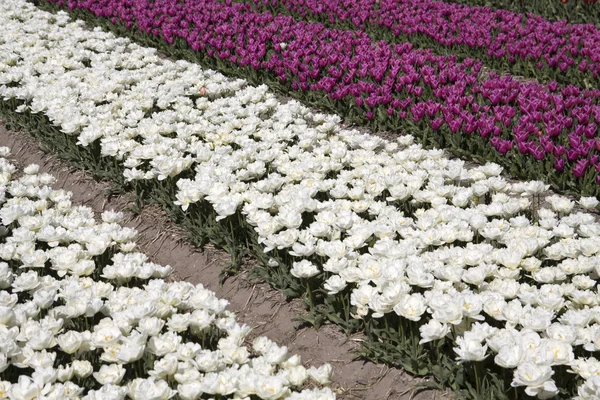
{"x": 548, "y": 131}
{"x": 574, "y": 11}
{"x": 85, "y": 316}
{"x": 502, "y": 269}
{"x": 568, "y": 52}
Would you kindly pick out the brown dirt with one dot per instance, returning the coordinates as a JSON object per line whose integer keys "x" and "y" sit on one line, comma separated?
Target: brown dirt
{"x": 255, "y": 304}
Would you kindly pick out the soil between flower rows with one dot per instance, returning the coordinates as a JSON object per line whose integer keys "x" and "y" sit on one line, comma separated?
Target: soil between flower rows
{"x": 255, "y": 303}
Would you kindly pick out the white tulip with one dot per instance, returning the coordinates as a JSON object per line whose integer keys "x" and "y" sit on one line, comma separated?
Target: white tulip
{"x": 164, "y": 367}
{"x": 590, "y": 389}
{"x": 334, "y": 284}
{"x": 470, "y": 350}
{"x": 433, "y": 330}
{"x": 110, "y": 374}
{"x": 509, "y": 356}
{"x": 297, "y": 375}
{"x": 322, "y": 374}
{"x": 304, "y": 269}
{"x": 70, "y": 341}
{"x": 411, "y": 306}
{"x": 25, "y": 389}
{"x": 82, "y": 368}
{"x": 190, "y": 390}
{"x": 536, "y": 379}
{"x": 149, "y": 389}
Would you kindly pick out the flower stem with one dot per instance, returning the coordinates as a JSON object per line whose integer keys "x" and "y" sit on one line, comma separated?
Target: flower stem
{"x": 476, "y": 370}
{"x": 310, "y": 295}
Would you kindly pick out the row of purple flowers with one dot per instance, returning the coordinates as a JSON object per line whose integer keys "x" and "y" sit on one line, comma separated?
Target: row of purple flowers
{"x": 391, "y": 86}
{"x": 574, "y": 11}
{"x": 524, "y": 45}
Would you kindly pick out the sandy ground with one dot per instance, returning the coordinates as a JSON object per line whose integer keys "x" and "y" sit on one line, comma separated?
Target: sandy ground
{"x": 256, "y": 304}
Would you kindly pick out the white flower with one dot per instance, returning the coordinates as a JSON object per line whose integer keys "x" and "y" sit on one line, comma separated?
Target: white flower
{"x": 304, "y": 269}
{"x": 110, "y": 374}
{"x": 112, "y": 216}
{"x": 411, "y": 306}
{"x": 107, "y": 392}
{"x": 26, "y": 281}
{"x": 64, "y": 374}
{"x": 149, "y": 389}
{"x": 82, "y": 368}
{"x": 588, "y": 202}
{"x": 235, "y": 354}
{"x": 321, "y": 375}
{"x": 556, "y": 352}
{"x": 272, "y": 388}
{"x": 4, "y": 389}
{"x": 433, "y": 330}
{"x": 560, "y": 204}
{"x": 275, "y": 354}
{"x": 131, "y": 348}
{"x": 207, "y": 361}
{"x": 227, "y": 205}
{"x": 297, "y": 375}
{"x": 537, "y": 319}
{"x": 161, "y": 345}
{"x": 472, "y": 306}
{"x": 25, "y": 389}
{"x": 106, "y": 335}
{"x": 334, "y": 284}
{"x": 218, "y": 383}
{"x": 590, "y": 389}
{"x": 449, "y": 312}
{"x": 179, "y": 322}
{"x": 536, "y": 379}
{"x": 31, "y": 169}
{"x": 189, "y": 390}
{"x": 509, "y": 356}
{"x": 70, "y": 341}
{"x": 164, "y": 367}
{"x": 150, "y": 326}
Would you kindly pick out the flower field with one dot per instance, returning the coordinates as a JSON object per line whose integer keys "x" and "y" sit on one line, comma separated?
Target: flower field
{"x": 450, "y": 268}
{"x": 523, "y": 45}
{"x": 86, "y": 316}
{"x": 577, "y": 11}
{"x": 537, "y": 130}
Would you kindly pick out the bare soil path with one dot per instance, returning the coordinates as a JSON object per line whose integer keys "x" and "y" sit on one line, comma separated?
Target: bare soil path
{"x": 255, "y": 304}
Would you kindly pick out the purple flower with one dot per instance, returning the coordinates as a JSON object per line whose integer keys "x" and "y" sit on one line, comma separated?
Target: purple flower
{"x": 437, "y": 123}
{"x": 580, "y": 168}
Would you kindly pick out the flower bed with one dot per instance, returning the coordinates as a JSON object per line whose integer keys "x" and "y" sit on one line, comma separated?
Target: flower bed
{"x": 537, "y": 131}
{"x": 575, "y": 11}
{"x": 506, "y": 41}
{"x": 86, "y": 316}
{"x": 437, "y": 262}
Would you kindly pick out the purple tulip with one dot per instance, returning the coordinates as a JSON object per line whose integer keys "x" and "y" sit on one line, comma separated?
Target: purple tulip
{"x": 580, "y": 168}
{"x": 505, "y": 146}
{"x": 437, "y": 123}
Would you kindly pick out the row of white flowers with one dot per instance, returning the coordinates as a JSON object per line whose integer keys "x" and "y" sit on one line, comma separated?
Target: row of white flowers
{"x": 73, "y": 326}
{"x": 407, "y": 230}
